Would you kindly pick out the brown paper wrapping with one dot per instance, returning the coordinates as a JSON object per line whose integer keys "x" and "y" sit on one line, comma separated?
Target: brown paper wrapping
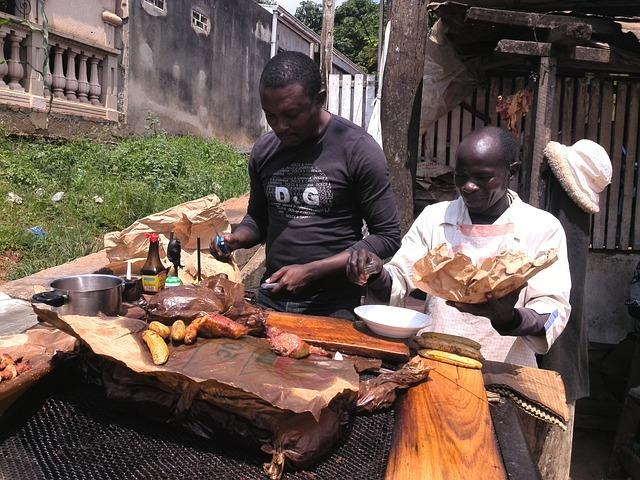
{"x": 306, "y": 385}
{"x": 202, "y": 218}
{"x": 454, "y": 276}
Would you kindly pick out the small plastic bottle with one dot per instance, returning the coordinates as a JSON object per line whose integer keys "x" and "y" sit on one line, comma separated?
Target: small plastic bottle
{"x": 153, "y": 272}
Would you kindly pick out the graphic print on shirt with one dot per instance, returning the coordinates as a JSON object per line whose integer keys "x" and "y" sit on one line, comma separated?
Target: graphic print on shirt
{"x": 300, "y": 190}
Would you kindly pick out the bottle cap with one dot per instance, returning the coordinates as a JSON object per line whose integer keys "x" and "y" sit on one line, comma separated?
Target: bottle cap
{"x": 172, "y": 281}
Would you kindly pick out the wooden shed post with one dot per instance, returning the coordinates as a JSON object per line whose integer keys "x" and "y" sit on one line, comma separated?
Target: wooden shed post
{"x": 401, "y": 93}
{"x": 326, "y": 41}
{"x": 545, "y": 95}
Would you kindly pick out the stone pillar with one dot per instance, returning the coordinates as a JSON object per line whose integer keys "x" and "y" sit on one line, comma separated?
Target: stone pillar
{"x": 71, "y": 83}
{"x": 35, "y": 68}
{"x": 4, "y": 67}
{"x": 16, "y": 70}
{"x": 110, "y": 86}
{"x": 94, "y": 81}
{"x": 83, "y": 82}
{"x": 58, "y": 81}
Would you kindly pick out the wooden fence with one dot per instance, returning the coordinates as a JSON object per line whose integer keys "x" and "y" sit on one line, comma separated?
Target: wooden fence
{"x": 605, "y": 110}
{"x": 351, "y": 97}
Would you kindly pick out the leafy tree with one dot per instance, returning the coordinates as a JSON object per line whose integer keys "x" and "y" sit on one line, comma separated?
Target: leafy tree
{"x": 356, "y": 32}
{"x": 267, "y": 2}
{"x": 310, "y": 13}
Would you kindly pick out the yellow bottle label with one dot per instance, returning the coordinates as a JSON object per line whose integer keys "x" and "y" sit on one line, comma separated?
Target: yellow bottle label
{"x": 153, "y": 283}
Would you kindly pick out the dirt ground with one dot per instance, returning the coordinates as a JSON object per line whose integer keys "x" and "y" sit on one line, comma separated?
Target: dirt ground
{"x": 7, "y": 258}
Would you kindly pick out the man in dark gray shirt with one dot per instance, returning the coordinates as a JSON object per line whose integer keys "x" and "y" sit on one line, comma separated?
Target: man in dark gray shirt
{"x": 314, "y": 179}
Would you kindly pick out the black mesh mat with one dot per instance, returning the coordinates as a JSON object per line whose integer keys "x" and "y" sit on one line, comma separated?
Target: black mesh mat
{"x": 74, "y": 432}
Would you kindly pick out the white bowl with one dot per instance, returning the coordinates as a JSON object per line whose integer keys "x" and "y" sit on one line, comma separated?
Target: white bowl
{"x": 394, "y": 322}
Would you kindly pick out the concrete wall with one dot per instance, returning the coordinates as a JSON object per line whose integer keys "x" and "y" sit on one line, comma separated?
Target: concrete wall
{"x": 197, "y": 84}
{"x": 608, "y": 278}
{"x": 81, "y": 19}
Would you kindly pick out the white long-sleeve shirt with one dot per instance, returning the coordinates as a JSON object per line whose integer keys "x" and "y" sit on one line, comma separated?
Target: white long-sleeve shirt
{"x": 535, "y": 232}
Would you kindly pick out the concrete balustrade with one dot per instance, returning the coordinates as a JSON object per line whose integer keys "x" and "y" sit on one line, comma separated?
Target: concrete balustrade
{"x": 80, "y": 77}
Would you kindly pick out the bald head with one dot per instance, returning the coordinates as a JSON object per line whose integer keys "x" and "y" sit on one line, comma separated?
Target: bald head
{"x": 489, "y": 144}
{"x": 485, "y": 160}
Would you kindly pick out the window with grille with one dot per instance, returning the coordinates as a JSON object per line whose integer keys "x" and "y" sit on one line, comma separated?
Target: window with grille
{"x": 199, "y": 21}
{"x": 157, "y": 3}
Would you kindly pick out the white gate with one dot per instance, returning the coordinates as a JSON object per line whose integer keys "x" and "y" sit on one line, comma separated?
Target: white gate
{"x": 351, "y": 97}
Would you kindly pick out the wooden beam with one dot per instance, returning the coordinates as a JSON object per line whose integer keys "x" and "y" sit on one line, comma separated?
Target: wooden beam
{"x": 570, "y": 33}
{"x": 403, "y": 71}
{"x": 537, "y": 20}
{"x": 512, "y": 441}
{"x": 542, "y": 133}
{"x": 524, "y": 47}
{"x": 326, "y": 41}
{"x": 590, "y": 54}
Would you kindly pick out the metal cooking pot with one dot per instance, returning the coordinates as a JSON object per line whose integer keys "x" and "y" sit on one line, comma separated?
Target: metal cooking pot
{"x": 84, "y": 295}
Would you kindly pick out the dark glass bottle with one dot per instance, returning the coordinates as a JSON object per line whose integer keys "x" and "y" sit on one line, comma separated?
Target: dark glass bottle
{"x": 153, "y": 272}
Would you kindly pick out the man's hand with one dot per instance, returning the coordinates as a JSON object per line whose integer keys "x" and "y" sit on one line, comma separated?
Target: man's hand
{"x": 501, "y": 312}
{"x": 361, "y": 265}
{"x": 292, "y": 278}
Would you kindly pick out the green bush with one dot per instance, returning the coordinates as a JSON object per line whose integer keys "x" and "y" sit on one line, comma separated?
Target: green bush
{"x": 135, "y": 177}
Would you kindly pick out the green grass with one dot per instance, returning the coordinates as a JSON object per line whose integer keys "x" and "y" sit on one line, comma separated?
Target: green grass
{"x": 135, "y": 177}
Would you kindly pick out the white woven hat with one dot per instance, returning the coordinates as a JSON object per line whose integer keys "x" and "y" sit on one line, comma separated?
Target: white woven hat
{"x": 583, "y": 170}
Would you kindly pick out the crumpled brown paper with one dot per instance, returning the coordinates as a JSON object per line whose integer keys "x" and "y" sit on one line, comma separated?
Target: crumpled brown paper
{"x": 203, "y": 217}
{"x": 454, "y": 276}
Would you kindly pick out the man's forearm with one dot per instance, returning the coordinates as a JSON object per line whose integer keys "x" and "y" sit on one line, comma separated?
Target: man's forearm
{"x": 335, "y": 264}
{"x": 245, "y": 237}
{"x": 526, "y": 322}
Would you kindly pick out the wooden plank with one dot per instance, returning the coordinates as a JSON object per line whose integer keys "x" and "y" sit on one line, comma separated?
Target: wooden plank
{"x": 512, "y": 442}
{"x": 570, "y": 33}
{"x": 467, "y": 118}
{"x": 557, "y": 113}
{"x": 443, "y": 429}
{"x": 369, "y": 96}
{"x": 441, "y": 146}
{"x": 480, "y": 106}
{"x": 593, "y": 111}
{"x": 581, "y": 104}
{"x": 600, "y": 219}
{"x": 524, "y": 47}
{"x": 535, "y": 20}
{"x": 542, "y": 132}
{"x": 590, "y": 54}
{"x": 494, "y": 91}
{"x": 345, "y": 98}
{"x": 454, "y": 135}
{"x": 333, "y": 102}
{"x": 358, "y": 99}
{"x": 631, "y": 157}
{"x": 567, "y": 111}
{"x": 517, "y": 179}
{"x": 616, "y": 160}
{"x": 338, "y": 334}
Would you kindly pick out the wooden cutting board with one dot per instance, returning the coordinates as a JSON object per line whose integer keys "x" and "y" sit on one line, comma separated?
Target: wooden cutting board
{"x": 341, "y": 335}
{"x": 443, "y": 429}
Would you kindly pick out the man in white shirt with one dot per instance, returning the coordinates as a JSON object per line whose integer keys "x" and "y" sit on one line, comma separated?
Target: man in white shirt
{"x": 486, "y": 219}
